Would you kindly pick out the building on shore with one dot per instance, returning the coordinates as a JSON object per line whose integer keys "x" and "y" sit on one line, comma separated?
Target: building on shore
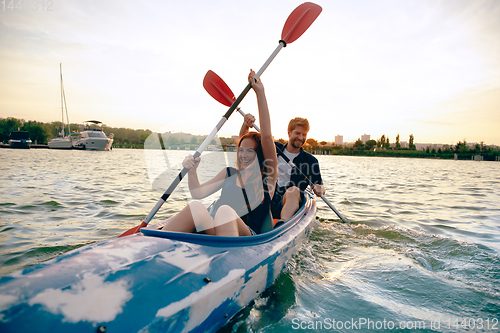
{"x": 339, "y": 140}
{"x": 365, "y": 137}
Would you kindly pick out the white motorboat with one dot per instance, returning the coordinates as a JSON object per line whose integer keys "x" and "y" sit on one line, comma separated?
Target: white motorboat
{"x": 93, "y": 137}
{"x": 64, "y": 141}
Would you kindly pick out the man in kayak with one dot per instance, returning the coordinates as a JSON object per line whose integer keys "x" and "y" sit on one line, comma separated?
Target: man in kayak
{"x": 291, "y": 184}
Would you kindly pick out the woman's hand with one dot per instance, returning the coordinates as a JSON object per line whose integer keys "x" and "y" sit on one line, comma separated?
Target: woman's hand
{"x": 191, "y": 163}
{"x": 248, "y": 120}
{"x": 257, "y": 86}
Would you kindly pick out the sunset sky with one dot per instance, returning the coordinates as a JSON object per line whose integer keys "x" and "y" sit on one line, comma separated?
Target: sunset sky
{"x": 428, "y": 68}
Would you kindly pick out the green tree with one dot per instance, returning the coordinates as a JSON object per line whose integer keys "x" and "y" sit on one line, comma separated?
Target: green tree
{"x": 133, "y": 137}
{"x": 194, "y": 140}
{"x": 172, "y": 141}
{"x": 55, "y": 128}
{"x": 411, "y": 145}
{"x": 38, "y": 131}
{"x": 226, "y": 141}
{"x": 313, "y": 143}
{"x": 370, "y": 144}
{"x": 359, "y": 145}
{"x": 381, "y": 141}
{"x": 398, "y": 144}
{"x": 387, "y": 144}
{"x": 8, "y": 125}
{"x": 461, "y": 147}
{"x": 144, "y": 136}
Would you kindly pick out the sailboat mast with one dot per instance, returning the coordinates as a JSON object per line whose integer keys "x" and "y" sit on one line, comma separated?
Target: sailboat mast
{"x": 66, "y": 107}
{"x": 63, "y": 98}
{"x": 62, "y": 106}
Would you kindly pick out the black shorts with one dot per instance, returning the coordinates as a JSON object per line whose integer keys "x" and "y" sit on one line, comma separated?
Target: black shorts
{"x": 277, "y": 201}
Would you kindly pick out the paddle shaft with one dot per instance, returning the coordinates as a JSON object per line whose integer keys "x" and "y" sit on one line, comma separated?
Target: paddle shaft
{"x": 287, "y": 160}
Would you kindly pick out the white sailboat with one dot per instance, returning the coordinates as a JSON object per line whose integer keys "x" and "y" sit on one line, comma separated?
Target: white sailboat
{"x": 64, "y": 141}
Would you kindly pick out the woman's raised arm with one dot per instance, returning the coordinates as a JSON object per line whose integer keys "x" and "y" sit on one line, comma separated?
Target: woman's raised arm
{"x": 268, "y": 147}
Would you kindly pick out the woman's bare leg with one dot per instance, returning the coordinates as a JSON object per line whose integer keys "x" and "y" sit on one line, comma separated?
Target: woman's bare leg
{"x": 228, "y": 223}
{"x": 194, "y": 217}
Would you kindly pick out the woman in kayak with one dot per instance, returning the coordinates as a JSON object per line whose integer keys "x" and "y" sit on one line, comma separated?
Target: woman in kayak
{"x": 244, "y": 206}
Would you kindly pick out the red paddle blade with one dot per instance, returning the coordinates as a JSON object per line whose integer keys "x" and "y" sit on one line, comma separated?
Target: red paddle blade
{"x": 218, "y": 89}
{"x": 299, "y": 21}
{"x": 134, "y": 230}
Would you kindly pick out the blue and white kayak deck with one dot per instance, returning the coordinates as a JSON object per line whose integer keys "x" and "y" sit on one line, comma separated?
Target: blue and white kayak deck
{"x": 156, "y": 281}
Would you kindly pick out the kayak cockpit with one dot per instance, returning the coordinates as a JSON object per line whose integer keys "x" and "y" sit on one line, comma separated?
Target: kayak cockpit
{"x": 304, "y": 210}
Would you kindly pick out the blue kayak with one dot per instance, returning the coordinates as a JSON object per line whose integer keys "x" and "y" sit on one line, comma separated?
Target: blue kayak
{"x": 155, "y": 281}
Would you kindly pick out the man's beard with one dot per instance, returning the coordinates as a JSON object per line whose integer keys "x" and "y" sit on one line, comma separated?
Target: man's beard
{"x": 294, "y": 145}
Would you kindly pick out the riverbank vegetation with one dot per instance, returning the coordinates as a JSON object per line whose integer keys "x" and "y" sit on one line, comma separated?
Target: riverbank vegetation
{"x": 488, "y": 154}
{"x": 381, "y": 147}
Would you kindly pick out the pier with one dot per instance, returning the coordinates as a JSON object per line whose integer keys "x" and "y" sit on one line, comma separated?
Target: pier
{"x": 37, "y": 146}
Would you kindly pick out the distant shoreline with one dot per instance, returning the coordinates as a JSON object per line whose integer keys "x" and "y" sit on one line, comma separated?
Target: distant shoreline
{"x": 471, "y": 155}
{"x": 484, "y": 156}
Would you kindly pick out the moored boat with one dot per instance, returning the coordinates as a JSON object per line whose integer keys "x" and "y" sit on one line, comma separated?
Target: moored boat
{"x": 61, "y": 143}
{"x": 153, "y": 281}
{"x": 93, "y": 137}
{"x": 19, "y": 139}
{"x": 64, "y": 141}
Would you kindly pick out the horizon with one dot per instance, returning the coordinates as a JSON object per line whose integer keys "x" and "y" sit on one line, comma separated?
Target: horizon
{"x": 424, "y": 68}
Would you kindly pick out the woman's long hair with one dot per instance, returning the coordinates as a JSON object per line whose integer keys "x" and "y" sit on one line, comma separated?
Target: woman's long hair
{"x": 254, "y": 183}
{"x": 260, "y": 155}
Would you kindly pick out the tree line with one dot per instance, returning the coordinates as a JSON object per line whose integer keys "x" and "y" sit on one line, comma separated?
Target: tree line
{"x": 384, "y": 143}
{"x": 38, "y": 131}
{"x": 383, "y": 147}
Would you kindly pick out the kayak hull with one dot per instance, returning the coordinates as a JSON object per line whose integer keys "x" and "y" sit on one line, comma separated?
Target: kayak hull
{"x": 155, "y": 281}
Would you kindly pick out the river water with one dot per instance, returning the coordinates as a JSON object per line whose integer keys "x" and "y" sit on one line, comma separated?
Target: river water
{"x": 421, "y": 252}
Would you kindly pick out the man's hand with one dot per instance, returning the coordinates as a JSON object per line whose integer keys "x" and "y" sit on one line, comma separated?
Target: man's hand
{"x": 319, "y": 190}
